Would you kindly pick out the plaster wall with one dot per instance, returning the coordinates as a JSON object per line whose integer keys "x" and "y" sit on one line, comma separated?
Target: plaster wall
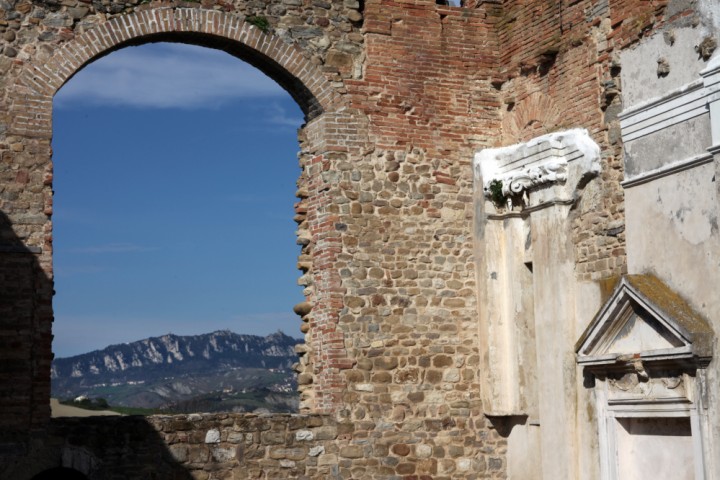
{"x": 525, "y": 451}
{"x": 672, "y": 204}
{"x": 672, "y": 230}
{"x": 590, "y": 297}
{"x": 674, "y": 143}
{"x": 644, "y": 443}
{"x": 676, "y": 46}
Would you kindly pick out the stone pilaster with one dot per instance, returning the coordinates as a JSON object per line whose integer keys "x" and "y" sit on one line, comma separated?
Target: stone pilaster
{"x": 529, "y": 293}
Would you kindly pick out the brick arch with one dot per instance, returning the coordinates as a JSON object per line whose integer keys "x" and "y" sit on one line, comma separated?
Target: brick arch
{"x": 331, "y": 129}
{"x": 285, "y": 63}
{"x": 535, "y": 115}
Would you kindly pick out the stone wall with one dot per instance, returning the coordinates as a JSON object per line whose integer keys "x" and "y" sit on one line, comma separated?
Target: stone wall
{"x": 389, "y": 317}
{"x": 240, "y": 446}
{"x": 398, "y": 97}
{"x": 196, "y": 446}
{"x": 405, "y": 263}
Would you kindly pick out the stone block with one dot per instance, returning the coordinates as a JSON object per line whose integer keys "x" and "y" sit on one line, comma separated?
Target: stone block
{"x": 351, "y": 451}
{"x": 223, "y": 454}
{"x": 327, "y": 459}
{"x": 179, "y": 452}
{"x": 316, "y": 451}
{"x": 326, "y": 433}
{"x": 212, "y": 436}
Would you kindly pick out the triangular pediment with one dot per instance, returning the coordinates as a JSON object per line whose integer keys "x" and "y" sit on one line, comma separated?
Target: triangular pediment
{"x": 644, "y": 320}
{"x": 636, "y": 331}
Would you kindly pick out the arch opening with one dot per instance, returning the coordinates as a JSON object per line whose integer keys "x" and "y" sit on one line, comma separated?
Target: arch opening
{"x": 305, "y": 99}
{"x": 30, "y": 112}
{"x": 137, "y": 186}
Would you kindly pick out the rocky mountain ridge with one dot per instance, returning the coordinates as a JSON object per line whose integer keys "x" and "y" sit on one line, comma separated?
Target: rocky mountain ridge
{"x": 158, "y": 372}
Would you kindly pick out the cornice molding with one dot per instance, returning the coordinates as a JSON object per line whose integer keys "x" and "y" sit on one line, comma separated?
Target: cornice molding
{"x": 560, "y": 158}
{"x": 677, "y": 106}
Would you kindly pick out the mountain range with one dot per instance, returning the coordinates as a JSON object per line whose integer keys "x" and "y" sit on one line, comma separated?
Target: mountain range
{"x": 218, "y": 371}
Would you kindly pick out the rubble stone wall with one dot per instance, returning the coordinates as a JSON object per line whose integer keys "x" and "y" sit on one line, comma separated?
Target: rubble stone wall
{"x": 197, "y": 446}
{"x": 398, "y": 96}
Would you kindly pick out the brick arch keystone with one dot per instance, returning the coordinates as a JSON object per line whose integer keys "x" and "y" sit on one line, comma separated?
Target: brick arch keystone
{"x": 285, "y": 63}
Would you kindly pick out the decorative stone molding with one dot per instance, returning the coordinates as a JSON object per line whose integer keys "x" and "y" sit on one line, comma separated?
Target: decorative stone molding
{"x": 560, "y": 158}
{"x": 647, "y": 351}
{"x": 670, "y": 169}
{"x": 644, "y": 321}
{"x": 711, "y": 82}
{"x": 530, "y": 177}
{"x": 677, "y": 106}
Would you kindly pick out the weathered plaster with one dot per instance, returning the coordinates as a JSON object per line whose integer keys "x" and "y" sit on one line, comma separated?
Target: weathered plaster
{"x": 710, "y": 14}
{"x": 676, "y": 218}
{"x": 677, "y": 142}
{"x": 640, "y": 79}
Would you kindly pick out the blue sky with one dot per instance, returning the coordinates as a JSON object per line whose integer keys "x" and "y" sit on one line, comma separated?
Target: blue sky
{"x": 175, "y": 170}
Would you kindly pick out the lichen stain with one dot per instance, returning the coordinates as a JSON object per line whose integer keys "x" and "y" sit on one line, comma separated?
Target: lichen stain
{"x": 607, "y": 286}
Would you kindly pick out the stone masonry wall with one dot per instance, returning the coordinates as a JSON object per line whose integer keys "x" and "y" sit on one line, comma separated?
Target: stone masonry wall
{"x": 43, "y": 44}
{"x": 407, "y": 267}
{"x": 399, "y": 95}
{"x": 196, "y": 446}
{"x": 400, "y": 151}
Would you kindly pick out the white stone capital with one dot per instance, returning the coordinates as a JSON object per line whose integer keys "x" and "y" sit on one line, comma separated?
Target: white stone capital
{"x": 556, "y": 159}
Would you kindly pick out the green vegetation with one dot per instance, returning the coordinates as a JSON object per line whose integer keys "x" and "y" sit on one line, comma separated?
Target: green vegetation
{"x": 87, "y": 403}
{"x": 246, "y": 401}
{"x": 138, "y": 411}
{"x": 496, "y": 192}
{"x": 259, "y": 21}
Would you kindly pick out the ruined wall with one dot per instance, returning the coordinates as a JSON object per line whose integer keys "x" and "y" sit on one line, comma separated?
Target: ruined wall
{"x": 394, "y": 112}
{"x": 406, "y": 266}
{"x": 559, "y": 69}
{"x": 562, "y": 66}
{"x": 671, "y": 132}
{"x": 190, "y": 447}
{"x": 399, "y": 95}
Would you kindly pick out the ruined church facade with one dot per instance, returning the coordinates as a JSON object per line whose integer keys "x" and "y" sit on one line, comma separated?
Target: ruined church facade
{"x": 508, "y": 232}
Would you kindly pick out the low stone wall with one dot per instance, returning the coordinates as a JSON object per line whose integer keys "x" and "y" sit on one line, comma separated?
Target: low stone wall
{"x": 245, "y": 446}
{"x": 248, "y": 446}
{"x": 195, "y": 446}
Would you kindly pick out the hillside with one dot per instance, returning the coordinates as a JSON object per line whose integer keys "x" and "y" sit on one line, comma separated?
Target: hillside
{"x": 218, "y": 371}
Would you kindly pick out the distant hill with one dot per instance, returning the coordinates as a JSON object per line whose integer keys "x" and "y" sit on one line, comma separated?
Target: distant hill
{"x": 218, "y": 371}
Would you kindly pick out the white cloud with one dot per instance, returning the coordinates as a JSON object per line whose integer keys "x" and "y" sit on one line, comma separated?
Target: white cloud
{"x": 166, "y": 76}
{"x": 277, "y": 115}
